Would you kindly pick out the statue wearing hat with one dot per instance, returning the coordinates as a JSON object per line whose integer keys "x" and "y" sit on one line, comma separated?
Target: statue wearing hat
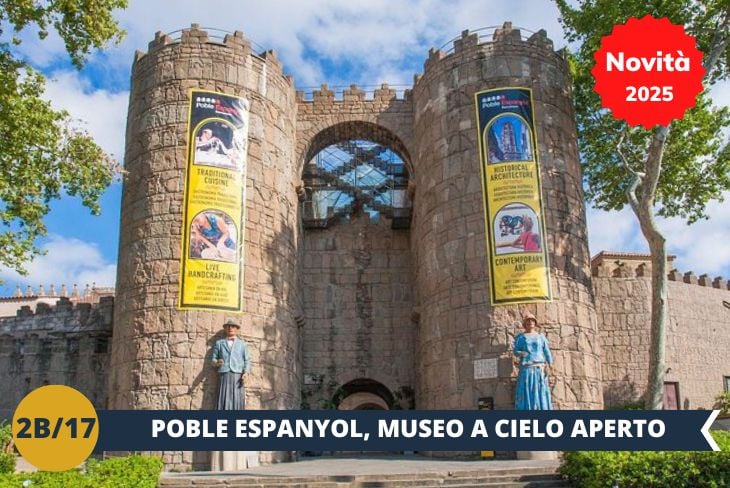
{"x": 231, "y": 357}
{"x": 533, "y": 352}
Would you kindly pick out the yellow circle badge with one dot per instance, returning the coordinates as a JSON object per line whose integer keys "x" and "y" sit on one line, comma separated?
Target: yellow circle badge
{"x": 55, "y": 428}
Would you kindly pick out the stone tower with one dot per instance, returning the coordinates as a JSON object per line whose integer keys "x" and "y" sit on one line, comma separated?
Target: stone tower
{"x": 160, "y": 355}
{"x": 458, "y": 326}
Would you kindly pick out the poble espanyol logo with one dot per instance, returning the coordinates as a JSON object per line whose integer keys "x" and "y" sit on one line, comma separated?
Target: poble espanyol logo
{"x": 648, "y": 71}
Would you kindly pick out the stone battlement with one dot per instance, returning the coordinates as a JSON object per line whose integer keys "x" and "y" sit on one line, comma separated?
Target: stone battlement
{"x": 91, "y": 293}
{"x": 63, "y": 305}
{"x": 633, "y": 265}
{"x": 47, "y": 315}
{"x": 41, "y": 298}
{"x": 354, "y": 94}
{"x": 196, "y": 35}
{"x": 67, "y": 343}
{"x": 504, "y": 35}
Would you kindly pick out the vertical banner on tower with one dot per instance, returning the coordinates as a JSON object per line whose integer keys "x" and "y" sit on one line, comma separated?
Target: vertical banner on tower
{"x": 519, "y": 271}
{"x": 211, "y": 267}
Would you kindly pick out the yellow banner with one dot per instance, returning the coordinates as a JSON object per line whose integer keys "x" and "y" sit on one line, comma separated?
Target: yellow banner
{"x": 519, "y": 271}
{"x": 211, "y": 268}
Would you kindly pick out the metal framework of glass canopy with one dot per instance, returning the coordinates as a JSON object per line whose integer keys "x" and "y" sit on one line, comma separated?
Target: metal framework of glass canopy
{"x": 355, "y": 176}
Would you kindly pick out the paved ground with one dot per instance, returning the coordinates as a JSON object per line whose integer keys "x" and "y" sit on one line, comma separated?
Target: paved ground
{"x": 367, "y": 465}
{"x": 23, "y": 466}
{"x": 361, "y": 465}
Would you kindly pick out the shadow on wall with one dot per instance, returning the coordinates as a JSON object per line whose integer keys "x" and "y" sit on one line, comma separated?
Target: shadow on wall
{"x": 273, "y": 349}
{"x": 207, "y": 379}
{"x": 278, "y": 351}
{"x": 622, "y": 395}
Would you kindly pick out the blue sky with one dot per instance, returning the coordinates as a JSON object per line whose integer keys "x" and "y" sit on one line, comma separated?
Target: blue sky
{"x": 319, "y": 41}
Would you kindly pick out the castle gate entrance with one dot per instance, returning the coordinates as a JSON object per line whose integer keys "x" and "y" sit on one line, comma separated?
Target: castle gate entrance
{"x": 365, "y": 394}
{"x": 356, "y": 265}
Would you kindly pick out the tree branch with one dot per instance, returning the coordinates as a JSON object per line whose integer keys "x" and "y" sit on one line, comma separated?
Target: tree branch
{"x": 636, "y": 176}
{"x": 653, "y": 167}
{"x": 631, "y": 193}
{"x": 719, "y": 43}
{"x": 623, "y": 157}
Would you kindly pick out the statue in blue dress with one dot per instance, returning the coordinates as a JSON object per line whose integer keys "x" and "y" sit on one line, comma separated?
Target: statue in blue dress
{"x": 533, "y": 351}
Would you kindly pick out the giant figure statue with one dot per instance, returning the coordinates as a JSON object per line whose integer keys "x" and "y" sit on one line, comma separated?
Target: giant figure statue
{"x": 533, "y": 351}
{"x": 231, "y": 357}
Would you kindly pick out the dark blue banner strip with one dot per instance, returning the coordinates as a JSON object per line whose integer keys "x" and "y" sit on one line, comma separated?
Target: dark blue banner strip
{"x": 402, "y": 430}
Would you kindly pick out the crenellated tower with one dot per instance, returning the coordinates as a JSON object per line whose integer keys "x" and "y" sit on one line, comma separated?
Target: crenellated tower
{"x": 458, "y": 326}
{"x": 160, "y": 356}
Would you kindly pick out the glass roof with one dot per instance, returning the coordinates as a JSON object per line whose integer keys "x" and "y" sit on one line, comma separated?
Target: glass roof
{"x": 346, "y": 177}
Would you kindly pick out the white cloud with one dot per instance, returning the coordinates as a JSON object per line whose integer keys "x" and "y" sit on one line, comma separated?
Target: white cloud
{"x": 378, "y": 41}
{"x": 102, "y": 113}
{"x": 40, "y": 52}
{"x": 309, "y": 35}
{"x": 702, "y": 247}
{"x": 720, "y": 93}
{"x": 67, "y": 261}
{"x": 381, "y": 41}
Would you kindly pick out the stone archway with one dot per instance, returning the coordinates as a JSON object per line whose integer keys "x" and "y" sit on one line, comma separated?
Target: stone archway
{"x": 363, "y": 401}
{"x": 357, "y": 129}
{"x": 384, "y": 119}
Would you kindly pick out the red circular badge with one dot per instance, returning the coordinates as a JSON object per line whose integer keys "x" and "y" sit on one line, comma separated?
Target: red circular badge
{"x": 648, "y": 71}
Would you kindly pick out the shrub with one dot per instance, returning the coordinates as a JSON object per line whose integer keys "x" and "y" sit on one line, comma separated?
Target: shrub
{"x": 128, "y": 472}
{"x": 722, "y": 437}
{"x": 6, "y": 435}
{"x": 723, "y": 403}
{"x": 7, "y": 459}
{"x": 133, "y": 472}
{"x": 46, "y": 479}
{"x": 7, "y": 462}
{"x": 647, "y": 469}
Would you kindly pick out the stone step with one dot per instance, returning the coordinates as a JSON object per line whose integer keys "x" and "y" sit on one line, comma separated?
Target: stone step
{"x": 422, "y": 480}
{"x": 452, "y": 482}
{"x": 513, "y": 484}
{"x": 467, "y": 483}
{"x": 269, "y": 483}
{"x": 196, "y": 479}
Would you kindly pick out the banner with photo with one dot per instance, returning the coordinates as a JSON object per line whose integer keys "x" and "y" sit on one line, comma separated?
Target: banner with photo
{"x": 211, "y": 267}
{"x": 519, "y": 271}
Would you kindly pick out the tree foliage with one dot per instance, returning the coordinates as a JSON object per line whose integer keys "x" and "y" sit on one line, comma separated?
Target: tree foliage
{"x": 42, "y": 153}
{"x": 666, "y": 171}
{"x": 696, "y": 160}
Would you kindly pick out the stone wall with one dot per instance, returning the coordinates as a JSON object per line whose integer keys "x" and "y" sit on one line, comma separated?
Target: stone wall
{"x": 458, "y": 324}
{"x": 66, "y": 344}
{"x": 357, "y": 282}
{"x": 698, "y": 342}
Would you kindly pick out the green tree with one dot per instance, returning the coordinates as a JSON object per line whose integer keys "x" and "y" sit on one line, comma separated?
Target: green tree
{"x": 667, "y": 171}
{"x": 42, "y": 153}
